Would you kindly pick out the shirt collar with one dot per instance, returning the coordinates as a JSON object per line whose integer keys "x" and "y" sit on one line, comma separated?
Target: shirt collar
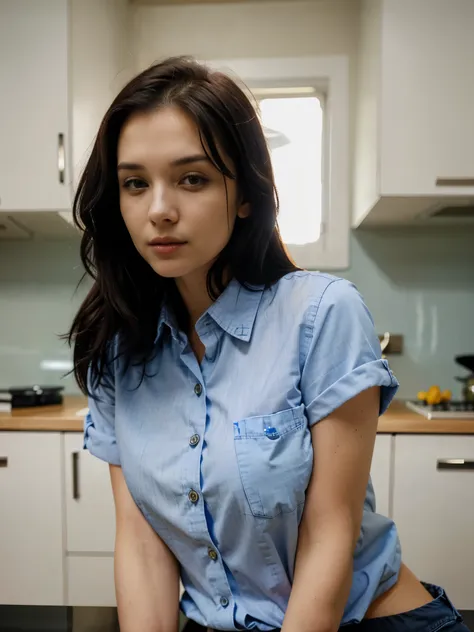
{"x": 234, "y": 311}
{"x": 167, "y": 318}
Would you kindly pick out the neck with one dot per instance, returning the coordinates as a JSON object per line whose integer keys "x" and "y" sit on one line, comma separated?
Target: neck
{"x": 195, "y": 297}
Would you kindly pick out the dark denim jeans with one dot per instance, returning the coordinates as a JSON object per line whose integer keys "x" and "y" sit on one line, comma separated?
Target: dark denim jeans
{"x": 439, "y": 614}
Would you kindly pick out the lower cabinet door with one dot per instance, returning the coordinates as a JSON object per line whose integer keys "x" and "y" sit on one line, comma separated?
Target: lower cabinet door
{"x": 90, "y": 581}
{"x": 433, "y": 507}
{"x": 380, "y": 473}
{"x": 90, "y": 512}
{"x": 31, "y": 529}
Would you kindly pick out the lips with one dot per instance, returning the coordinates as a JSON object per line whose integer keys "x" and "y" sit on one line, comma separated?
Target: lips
{"x": 166, "y": 241}
{"x": 163, "y": 246}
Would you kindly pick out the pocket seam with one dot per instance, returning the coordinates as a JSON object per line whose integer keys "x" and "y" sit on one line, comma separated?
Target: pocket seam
{"x": 298, "y": 420}
{"x": 297, "y": 425}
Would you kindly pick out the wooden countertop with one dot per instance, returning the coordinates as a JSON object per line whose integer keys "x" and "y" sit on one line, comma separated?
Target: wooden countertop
{"x": 401, "y": 420}
{"x": 55, "y": 418}
{"x": 397, "y": 420}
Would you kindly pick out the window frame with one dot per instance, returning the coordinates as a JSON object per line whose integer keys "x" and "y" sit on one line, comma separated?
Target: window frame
{"x": 330, "y": 78}
{"x": 296, "y": 250}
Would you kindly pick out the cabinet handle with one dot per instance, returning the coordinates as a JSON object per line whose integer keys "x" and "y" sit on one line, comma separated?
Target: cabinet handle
{"x": 3, "y": 461}
{"x": 61, "y": 158}
{"x": 455, "y": 182}
{"x": 455, "y": 464}
{"x": 75, "y": 476}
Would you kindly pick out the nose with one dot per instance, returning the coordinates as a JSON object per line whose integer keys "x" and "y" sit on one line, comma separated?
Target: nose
{"x": 162, "y": 206}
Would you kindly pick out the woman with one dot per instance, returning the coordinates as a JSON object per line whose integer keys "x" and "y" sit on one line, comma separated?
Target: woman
{"x": 234, "y": 396}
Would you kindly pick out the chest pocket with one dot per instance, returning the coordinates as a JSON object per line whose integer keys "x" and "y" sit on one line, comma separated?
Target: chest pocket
{"x": 275, "y": 460}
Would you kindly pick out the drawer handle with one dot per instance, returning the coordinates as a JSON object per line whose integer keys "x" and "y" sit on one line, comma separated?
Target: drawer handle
{"x": 61, "y": 158}
{"x": 75, "y": 476}
{"x": 455, "y": 464}
{"x": 455, "y": 182}
{"x": 3, "y": 461}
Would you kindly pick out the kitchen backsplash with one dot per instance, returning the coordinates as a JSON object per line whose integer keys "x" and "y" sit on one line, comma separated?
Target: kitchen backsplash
{"x": 416, "y": 284}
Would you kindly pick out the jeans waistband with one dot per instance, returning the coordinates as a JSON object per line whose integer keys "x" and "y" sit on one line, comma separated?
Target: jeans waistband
{"x": 429, "y": 618}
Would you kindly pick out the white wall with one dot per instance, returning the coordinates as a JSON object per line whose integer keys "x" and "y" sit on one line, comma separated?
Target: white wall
{"x": 270, "y": 29}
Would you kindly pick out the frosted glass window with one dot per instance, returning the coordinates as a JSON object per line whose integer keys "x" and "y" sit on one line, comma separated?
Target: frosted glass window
{"x": 294, "y": 130}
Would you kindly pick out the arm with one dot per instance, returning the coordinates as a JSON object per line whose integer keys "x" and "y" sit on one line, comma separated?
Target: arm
{"x": 343, "y": 444}
{"x": 146, "y": 572}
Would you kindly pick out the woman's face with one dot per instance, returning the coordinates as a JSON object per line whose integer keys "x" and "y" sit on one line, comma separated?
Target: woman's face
{"x": 178, "y": 208}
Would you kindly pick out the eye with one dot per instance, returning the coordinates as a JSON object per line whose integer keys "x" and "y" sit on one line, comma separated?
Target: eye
{"x": 134, "y": 184}
{"x": 194, "y": 180}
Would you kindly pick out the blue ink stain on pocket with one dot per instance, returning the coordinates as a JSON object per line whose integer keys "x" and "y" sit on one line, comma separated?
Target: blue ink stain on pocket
{"x": 271, "y": 433}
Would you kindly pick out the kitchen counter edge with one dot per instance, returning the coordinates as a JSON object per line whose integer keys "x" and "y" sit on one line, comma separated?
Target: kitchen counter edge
{"x": 397, "y": 420}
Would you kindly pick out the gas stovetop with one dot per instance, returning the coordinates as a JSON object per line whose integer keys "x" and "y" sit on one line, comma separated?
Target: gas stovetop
{"x": 451, "y": 410}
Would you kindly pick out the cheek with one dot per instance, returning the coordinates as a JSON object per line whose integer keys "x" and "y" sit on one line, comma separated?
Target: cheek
{"x": 132, "y": 214}
{"x": 214, "y": 229}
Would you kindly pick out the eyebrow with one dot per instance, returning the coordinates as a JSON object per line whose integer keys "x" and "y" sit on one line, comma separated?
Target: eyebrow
{"x": 186, "y": 160}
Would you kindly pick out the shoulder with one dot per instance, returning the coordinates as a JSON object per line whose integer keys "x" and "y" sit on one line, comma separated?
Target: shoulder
{"x": 326, "y": 309}
{"x": 307, "y": 294}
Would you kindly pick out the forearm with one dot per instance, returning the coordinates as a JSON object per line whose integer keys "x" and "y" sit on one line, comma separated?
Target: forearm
{"x": 323, "y": 578}
{"x": 147, "y": 596}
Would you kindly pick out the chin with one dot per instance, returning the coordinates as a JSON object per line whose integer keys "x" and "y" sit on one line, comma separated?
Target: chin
{"x": 170, "y": 269}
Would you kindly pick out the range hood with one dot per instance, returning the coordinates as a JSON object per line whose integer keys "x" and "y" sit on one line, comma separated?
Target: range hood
{"x": 452, "y": 212}
{"x": 29, "y": 225}
{"x": 430, "y": 211}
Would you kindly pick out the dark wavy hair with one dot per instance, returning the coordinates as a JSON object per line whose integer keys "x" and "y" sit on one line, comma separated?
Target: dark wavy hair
{"x": 127, "y": 295}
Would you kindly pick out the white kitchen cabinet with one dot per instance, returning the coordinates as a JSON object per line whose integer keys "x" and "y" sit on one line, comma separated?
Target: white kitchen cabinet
{"x": 380, "y": 472}
{"x": 61, "y": 64}
{"x": 90, "y": 581}
{"x": 101, "y": 62}
{"x": 414, "y": 123}
{"x": 34, "y": 108}
{"x": 90, "y": 513}
{"x": 433, "y": 507}
{"x": 90, "y": 526}
{"x": 31, "y": 524}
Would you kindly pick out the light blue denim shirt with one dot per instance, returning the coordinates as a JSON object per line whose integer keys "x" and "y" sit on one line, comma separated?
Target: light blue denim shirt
{"x": 218, "y": 455}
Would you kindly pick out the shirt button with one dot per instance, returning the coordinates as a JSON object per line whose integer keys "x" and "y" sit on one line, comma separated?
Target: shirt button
{"x": 212, "y": 554}
{"x": 198, "y": 389}
{"x": 193, "y": 496}
{"x": 194, "y": 440}
{"x": 224, "y": 602}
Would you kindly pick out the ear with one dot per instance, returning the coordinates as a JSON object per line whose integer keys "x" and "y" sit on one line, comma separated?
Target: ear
{"x": 243, "y": 211}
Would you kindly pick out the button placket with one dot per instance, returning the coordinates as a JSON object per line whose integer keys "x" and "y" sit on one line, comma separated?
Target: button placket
{"x": 197, "y": 503}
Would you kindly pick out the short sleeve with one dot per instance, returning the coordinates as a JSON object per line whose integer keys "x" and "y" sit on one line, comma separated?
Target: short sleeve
{"x": 99, "y": 423}
{"x": 342, "y": 355}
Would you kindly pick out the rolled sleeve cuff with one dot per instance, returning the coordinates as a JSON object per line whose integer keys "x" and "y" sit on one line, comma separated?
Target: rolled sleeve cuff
{"x": 375, "y": 373}
{"x": 99, "y": 444}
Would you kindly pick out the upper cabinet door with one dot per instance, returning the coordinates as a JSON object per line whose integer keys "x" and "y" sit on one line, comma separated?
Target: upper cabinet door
{"x": 34, "y": 109}
{"x": 414, "y": 129}
{"x": 427, "y": 96}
